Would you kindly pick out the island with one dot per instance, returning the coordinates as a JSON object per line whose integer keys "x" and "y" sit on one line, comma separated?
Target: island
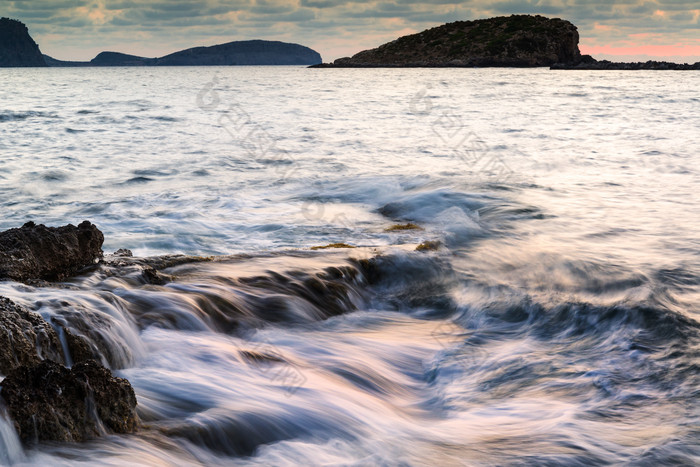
{"x": 504, "y": 41}
{"x": 18, "y": 49}
{"x": 252, "y": 52}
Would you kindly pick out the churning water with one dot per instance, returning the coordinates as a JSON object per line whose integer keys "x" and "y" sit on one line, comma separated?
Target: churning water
{"x": 558, "y": 323}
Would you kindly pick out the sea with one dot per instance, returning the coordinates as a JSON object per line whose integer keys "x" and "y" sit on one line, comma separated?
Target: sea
{"x": 551, "y": 316}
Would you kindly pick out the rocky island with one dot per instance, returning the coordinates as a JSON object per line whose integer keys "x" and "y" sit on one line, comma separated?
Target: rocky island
{"x": 506, "y": 41}
{"x": 254, "y": 52}
{"x": 18, "y": 49}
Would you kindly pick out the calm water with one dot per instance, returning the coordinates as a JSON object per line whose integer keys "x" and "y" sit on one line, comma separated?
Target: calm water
{"x": 557, "y": 325}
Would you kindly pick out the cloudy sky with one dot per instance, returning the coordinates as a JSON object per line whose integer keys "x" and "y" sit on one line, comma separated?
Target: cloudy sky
{"x": 79, "y": 29}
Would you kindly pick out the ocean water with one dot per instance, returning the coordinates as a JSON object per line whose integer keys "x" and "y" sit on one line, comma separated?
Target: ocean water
{"x": 558, "y": 323}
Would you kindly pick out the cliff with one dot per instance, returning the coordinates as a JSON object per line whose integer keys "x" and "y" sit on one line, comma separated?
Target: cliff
{"x": 17, "y": 48}
{"x": 517, "y": 40}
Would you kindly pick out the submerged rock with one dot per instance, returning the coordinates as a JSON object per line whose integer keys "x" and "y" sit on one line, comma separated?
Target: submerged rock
{"x": 49, "y": 402}
{"x": 332, "y": 245}
{"x": 51, "y": 253}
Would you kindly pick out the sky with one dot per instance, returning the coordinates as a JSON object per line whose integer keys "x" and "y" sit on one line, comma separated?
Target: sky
{"x": 622, "y": 30}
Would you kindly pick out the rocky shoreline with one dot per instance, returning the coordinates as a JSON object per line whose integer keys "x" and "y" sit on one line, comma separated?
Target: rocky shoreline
{"x": 47, "y": 400}
{"x": 57, "y": 383}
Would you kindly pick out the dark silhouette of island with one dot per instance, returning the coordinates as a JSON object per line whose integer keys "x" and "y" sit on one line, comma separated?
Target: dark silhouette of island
{"x": 17, "y": 48}
{"x": 254, "y": 52}
{"x": 504, "y": 41}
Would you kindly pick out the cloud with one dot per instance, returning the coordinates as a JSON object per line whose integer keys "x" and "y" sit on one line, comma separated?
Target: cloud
{"x": 76, "y": 29}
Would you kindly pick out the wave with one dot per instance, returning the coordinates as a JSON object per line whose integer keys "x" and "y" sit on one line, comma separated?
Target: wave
{"x": 246, "y": 356}
{"x": 10, "y": 116}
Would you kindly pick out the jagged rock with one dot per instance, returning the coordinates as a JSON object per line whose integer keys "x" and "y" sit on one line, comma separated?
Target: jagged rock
{"x": 17, "y": 48}
{"x": 517, "y": 41}
{"x": 51, "y": 253}
{"x": 25, "y": 338}
{"x": 49, "y": 402}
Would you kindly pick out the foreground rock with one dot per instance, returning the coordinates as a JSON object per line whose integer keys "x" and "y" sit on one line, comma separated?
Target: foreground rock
{"x": 25, "y": 338}
{"x": 517, "y": 41}
{"x": 49, "y": 402}
{"x": 17, "y": 48}
{"x": 50, "y": 253}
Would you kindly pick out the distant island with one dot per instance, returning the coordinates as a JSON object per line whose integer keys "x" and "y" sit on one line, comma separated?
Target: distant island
{"x": 18, "y": 49}
{"x": 504, "y": 41}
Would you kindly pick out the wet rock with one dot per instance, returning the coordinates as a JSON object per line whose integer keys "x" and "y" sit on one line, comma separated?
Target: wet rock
{"x": 429, "y": 246}
{"x": 79, "y": 348}
{"x": 153, "y": 277}
{"x": 49, "y": 402}
{"x": 402, "y": 227}
{"x": 25, "y": 338}
{"x": 123, "y": 252}
{"x": 91, "y": 334}
{"x": 50, "y": 253}
{"x": 330, "y": 293}
{"x": 332, "y": 245}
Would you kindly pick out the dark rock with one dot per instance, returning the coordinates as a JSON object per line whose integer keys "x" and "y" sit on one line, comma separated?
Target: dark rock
{"x": 50, "y": 253}
{"x": 90, "y": 334}
{"x": 255, "y": 52}
{"x": 429, "y": 246}
{"x": 589, "y": 63}
{"x": 510, "y": 41}
{"x": 49, "y": 402}
{"x": 152, "y": 276}
{"x": 118, "y": 59}
{"x": 79, "y": 349}
{"x": 25, "y": 338}
{"x": 17, "y": 48}
{"x": 123, "y": 253}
